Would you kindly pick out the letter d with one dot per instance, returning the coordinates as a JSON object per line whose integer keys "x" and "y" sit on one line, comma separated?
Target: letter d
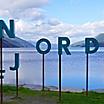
{"x": 91, "y": 42}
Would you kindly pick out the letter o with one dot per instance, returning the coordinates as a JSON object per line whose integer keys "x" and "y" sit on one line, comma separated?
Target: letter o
{"x": 48, "y": 48}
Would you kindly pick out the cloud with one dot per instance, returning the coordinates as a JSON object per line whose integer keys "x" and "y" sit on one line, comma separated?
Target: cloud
{"x": 32, "y": 22}
{"x": 54, "y": 22}
{"x": 21, "y": 4}
{"x": 22, "y": 9}
{"x": 4, "y": 13}
{"x": 29, "y": 14}
{"x": 39, "y": 30}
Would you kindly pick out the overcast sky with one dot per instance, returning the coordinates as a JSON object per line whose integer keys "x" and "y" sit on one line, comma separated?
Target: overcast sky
{"x": 35, "y": 19}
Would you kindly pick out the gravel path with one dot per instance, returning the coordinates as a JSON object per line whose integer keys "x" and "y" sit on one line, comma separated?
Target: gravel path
{"x": 28, "y": 100}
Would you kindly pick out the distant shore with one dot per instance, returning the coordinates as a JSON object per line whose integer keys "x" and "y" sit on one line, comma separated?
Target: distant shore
{"x": 54, "y": 88}
{"x": 50, "y": 88}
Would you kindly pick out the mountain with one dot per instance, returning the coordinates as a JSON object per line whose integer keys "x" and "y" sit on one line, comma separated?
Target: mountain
{"x": 53, "y": 46}
{"x": 16, "y": 43}
{"x": 78, "y": 44}
{"x": 99, "y": 38}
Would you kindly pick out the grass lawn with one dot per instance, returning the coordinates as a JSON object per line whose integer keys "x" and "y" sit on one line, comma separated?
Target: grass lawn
{"x": 27, "y": 96}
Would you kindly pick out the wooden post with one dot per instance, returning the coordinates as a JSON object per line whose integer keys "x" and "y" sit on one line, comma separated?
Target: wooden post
{"x": 59, "y": 77}
{"x": 43, "y": 72}
{"x": 1, "y": 87}
{"x": 15, "y": 68}
{"x": 87, "y": 74}
{"x": 17, "y": 83}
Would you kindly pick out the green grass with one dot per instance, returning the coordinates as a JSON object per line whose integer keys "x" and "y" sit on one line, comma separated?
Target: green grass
{"x": 67, "y": 98}
{"x": 81, "y": 98}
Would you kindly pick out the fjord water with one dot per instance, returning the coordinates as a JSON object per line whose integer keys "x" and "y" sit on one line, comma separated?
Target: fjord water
{"x": 73, "y": 68}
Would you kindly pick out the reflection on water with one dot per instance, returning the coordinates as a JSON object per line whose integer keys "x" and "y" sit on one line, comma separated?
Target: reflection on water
{"x": 73, "y": 68}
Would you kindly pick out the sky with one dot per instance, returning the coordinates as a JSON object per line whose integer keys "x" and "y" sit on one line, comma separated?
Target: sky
{"x": 76, "y": 11}
{"x": 35, "y": 19}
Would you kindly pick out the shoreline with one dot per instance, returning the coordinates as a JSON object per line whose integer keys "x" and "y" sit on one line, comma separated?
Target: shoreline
{"x": 54, "y": 88}
{"x": 27, "y": 95}
{"x": 50, "y": 88}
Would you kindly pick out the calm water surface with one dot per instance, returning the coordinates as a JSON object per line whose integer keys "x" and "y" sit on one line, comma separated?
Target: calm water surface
{"x": 73, "y": 68}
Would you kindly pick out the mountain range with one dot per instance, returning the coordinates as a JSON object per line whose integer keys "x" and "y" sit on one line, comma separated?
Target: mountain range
{"x": 99, "y": 38}
{"x": 16, "y": 43}
{"x": 20, "y": 43}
